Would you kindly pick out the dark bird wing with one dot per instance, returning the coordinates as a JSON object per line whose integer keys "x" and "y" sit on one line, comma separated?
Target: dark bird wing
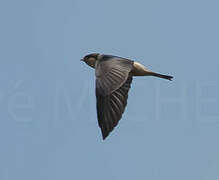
{"x": 113, "y": 81}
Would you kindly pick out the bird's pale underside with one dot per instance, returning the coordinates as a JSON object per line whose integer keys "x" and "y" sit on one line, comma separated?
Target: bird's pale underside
{"x": 113, "y": 81}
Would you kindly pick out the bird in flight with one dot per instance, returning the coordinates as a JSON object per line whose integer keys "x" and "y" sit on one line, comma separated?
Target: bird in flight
{"x": 113, "y": 81}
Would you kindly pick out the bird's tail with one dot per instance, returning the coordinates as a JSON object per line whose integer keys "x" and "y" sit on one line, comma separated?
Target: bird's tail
{"x": 161, "y": 76}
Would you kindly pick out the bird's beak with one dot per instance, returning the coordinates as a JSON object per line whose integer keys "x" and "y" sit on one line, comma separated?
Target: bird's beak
{"x": 81, "y": 59}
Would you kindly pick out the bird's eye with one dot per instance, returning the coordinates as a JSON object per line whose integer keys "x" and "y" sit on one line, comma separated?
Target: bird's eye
{"x": 86, "y": 58}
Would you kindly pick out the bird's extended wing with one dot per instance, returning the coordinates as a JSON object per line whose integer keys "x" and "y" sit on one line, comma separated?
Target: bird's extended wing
{"x": 111, "y": 107}
{"x": 112, "y": 74}
{"x": 113, "y": 81}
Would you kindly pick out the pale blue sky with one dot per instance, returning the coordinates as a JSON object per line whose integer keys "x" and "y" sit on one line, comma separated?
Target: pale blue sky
{"x": 48, "y": 124}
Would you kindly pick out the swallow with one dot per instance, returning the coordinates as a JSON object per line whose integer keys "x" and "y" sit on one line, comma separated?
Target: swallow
{"x": 113, "y": 80}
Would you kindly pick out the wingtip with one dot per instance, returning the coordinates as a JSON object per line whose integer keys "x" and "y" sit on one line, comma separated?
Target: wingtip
{"x": 104, "y": 134}
{"x": 103, "y": 137}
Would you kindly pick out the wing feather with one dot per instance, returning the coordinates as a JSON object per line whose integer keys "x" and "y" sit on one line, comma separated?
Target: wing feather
{"x": 113, "y": 81}
{"x": 111, "y": 107}
{"x": 112, "y": 74}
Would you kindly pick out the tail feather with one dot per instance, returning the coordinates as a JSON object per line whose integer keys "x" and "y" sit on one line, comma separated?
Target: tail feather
{"x": 162, "y": 76}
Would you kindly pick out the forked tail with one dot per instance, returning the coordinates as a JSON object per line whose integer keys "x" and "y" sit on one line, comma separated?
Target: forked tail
{"x": 161, "y": 76}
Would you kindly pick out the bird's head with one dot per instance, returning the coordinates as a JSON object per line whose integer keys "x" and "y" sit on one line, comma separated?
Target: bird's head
{"x": 90, "y": 59}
